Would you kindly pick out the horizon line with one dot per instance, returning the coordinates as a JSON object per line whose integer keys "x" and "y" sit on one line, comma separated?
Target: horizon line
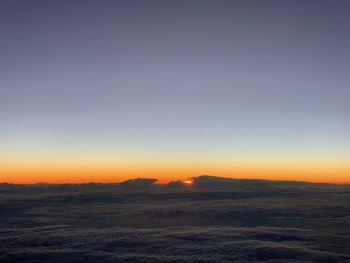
{"x": 160, "y": 182}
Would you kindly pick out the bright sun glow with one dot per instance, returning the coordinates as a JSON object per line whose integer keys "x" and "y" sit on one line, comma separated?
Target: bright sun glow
{"x": 188, "y": 181}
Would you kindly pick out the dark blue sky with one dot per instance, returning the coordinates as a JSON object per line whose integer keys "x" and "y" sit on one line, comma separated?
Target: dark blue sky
{"x": 208, "y": 78}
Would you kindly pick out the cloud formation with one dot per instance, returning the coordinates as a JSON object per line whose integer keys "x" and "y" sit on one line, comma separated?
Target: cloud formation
{"x": 213, "y": 220}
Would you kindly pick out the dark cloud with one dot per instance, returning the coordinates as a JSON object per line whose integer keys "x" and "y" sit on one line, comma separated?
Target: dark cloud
{"x": 138, "y": 183}
{"x": 278, "y": 222}
{"x": 179, "y": 244}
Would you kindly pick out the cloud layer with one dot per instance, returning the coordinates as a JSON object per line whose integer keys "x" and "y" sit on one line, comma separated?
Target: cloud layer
{"x": 231, "y": 221}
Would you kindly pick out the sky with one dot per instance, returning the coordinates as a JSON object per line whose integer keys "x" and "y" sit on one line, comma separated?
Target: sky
{"x": 106, "y": 90}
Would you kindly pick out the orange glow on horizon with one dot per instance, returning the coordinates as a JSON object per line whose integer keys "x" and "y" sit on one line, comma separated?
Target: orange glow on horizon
{"x": 189, "y": 181}
{"x": 27, "y": 173}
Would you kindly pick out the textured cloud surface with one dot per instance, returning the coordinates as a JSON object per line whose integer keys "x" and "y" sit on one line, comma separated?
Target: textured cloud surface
{"x": 233, "y": 221}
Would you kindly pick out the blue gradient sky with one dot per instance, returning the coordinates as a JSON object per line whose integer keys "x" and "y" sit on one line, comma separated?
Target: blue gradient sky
{"x": 175, "y": 80}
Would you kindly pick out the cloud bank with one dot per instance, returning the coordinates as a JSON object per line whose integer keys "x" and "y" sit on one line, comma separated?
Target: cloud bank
{"x": 213, "y": 220}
